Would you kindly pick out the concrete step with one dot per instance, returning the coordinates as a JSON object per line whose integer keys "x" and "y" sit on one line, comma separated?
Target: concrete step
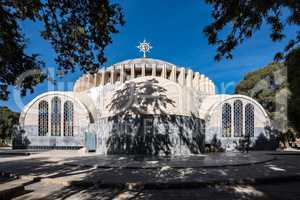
{"x": 14, "y": 188}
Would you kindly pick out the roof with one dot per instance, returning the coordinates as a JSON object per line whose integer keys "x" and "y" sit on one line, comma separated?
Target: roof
{"x": 143, "y": 61}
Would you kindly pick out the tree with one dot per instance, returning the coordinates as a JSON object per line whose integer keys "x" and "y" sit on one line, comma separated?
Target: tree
{"x": 276, "y": 88}
{"x": 8, "y": 120}
{"x": 78, "y": 30}
{"x": 293, "y": 78}
{"x": 244, "y": 17}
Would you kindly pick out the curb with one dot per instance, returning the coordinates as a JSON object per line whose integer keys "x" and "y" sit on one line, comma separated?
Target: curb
{"x": 159, "y": 185}
{"x": 15, "y": 153}
{"x": 285, "y": 154}
{"x": 14, "y": 190}
{"x": 174, "y": 167}
{"x": 185, "y": 185}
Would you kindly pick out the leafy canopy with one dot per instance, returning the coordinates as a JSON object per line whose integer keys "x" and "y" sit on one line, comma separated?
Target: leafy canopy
{"x": 293, "y": 76}
{"x": 276, "y": 87}
{"x": 8, "y": 120}
{"x": 78, "y": 30}
{"x": 244, "y": 17}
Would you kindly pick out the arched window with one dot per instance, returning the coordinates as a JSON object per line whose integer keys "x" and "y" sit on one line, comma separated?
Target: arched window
{"x": 55, "y": 116}
{"x": 68, "y": 118}
{"x": 238, "y": 118}
{"x": 226, "y": 120}
{"x": 249, "y": 120}
{"x": 43, "y": 118}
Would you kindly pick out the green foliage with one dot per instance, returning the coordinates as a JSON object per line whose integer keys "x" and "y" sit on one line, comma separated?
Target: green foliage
{"x": 8, "y": 120}
{"x": 243, "y": 18}
{"x": 277, "y": 88}
{"x": 252, "y": 78}
{"x": 293, "y": 71}
{"x": 78, "y": 30}
{"x": 263, "y": 86}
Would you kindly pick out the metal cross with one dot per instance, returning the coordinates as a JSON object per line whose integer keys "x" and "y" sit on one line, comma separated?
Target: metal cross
{"x": 144, "y": 47}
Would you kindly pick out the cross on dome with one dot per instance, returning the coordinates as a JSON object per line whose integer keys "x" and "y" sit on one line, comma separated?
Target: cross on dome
{"x": 144, "y": 47}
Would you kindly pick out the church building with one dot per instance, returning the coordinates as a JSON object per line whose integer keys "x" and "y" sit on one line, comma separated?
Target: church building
{"x": 142, "y": 106}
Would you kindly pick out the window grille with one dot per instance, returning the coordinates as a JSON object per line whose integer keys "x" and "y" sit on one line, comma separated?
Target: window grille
{"x": 238, "y": 118}
{"x": 55, "y": 116}
{"x": 226, "y": 120}
{"x": 43, "y": 118}
{"x": 249, "y": 120}
{"x": 68, "y": 118}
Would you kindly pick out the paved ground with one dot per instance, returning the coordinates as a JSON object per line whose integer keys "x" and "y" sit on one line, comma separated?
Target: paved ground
{"x": 269, "y": 180}
{"x": 192, "y": 161}
{"x": 281, "y": 191}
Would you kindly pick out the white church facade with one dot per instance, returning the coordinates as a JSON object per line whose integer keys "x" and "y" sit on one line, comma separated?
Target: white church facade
{"x": 142, "y": 106}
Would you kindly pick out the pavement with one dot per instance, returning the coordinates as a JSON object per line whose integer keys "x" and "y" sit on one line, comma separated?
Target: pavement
{"x": 80, "y": 177}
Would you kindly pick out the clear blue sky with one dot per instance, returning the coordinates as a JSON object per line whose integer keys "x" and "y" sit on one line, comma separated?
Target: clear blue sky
{"x": 174, "y": 28}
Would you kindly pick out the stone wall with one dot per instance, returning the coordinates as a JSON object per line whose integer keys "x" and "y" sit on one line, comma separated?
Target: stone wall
{"x": 150, "y": 135}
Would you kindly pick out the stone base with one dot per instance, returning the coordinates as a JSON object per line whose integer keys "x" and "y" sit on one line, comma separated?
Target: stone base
{"x": 149, "y": 135}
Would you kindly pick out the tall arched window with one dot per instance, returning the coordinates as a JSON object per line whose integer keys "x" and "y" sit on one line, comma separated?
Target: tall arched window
{"x": 226, "y": 120}
{"x": 249, "y": 120}
{"x": 55, "y": 116}
{"x": 43, "y": 118}
{"x": 68, "y": 118}
{"x": 238, "y": 118}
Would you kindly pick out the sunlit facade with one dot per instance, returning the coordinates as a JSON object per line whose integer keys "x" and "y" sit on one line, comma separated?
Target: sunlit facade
{"x": 142, "y": 96}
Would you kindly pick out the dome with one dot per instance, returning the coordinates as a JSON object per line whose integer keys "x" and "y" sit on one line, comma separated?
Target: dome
{"x": 142, "y": 61}
{"x": 141, "y": 67}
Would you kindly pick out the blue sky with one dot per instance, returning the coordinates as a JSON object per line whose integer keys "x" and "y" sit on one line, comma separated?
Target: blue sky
{"x": 174, "y": 29}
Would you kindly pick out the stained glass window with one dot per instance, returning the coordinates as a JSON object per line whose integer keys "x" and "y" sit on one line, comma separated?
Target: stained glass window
{"x": 238, "y": 118}
{"x": 68, "y": 118}
{"x": 55, "y": 116}
{"x": 226, "y": 120}
{"x": 43, "y": 118}
{"x": 249, "y": 119}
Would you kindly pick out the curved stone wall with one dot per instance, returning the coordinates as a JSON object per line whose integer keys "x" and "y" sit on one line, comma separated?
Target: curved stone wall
{"x": 29, "y": 121}
{"x": 229, "y": 128}
{"x": 141, "y": 67}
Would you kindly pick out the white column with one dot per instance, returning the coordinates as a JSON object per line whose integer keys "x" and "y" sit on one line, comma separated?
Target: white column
{"x": 103, "y": 77}
{"x": 189, "y": 78}
{"x": 95, "y": 79}
{"x": 98, "y": 79}
{"x": 182, "y": 76}
{"x": 143, "y": 70}
{"x": 196, "y": 80}
{"x": 132, "y": 72}
{"x": 202, "y": 83}
{"x": 173, "y": 74}
{"x": 85, "y": 82}
{"x": 153, "y": 69}
{"x": 122, "y": 73}
{"x": 207, "y": 86}
{"x": 112, "y": 75}
{"x": 164, "y": 71}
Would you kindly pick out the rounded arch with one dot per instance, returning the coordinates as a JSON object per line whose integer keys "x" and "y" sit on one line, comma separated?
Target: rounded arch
{"x": 221, "y": 99}
{"x": 47, "y": 95}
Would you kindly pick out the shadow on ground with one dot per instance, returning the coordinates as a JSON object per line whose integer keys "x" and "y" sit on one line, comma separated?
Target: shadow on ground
{"x": 283, "y": 166}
